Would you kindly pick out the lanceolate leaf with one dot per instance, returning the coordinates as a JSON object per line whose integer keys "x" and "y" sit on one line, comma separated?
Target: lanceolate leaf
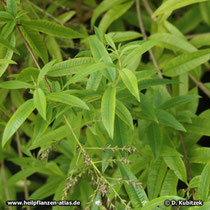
{"x": 169, "y": 120}
{"x": 108, "y": 109}
{"x": 185, "y": 63}
{"x": 17, "y": 120}
{"x": 12, "y": 7}
{"x": 48, "y": 137}
{"x": 174, "y": 42}
{"x": 15, "y": 84}
{"x": 130, "y": 81}
{"x": 6, "y": 44}
{"x": 105, "y": 5}
{"x": 177, "y": 101}
{"x": 52, "y": 28}
{"x": 124, "y": 114}
{"x": 5, "y": 16}
{"x": 40, "y": 102}
{"x": 156, "y": 176}
{"x": 154, "y": 138}
{"x": 85, "y": 71}
{"x": 8, "y": 55}
{"x": 203, "y": 188}
{"x": 44, "y": 71}
{"x": 113, "y": 14}
{"x": 170, "y": 5}
{"x": 67, "y": 99}
{"x": 100, "y": 53}
{"x": 136, "y": 193}
{"x": 139, "y": 51}
{"x": 176, "y": 164}
{"x": 70, "y": 67}
{"x": 7, "y": 61}
{"x": 36, "y": 42}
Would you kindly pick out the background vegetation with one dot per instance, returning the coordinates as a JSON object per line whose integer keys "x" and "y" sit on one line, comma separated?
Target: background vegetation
{"x": 106, "y": 102}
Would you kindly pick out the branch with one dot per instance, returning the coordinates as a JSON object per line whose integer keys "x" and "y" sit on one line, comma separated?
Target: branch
{"x": 141, "y": 26}
{"x": 200, "y": 85}
{"x": 33, "y": 57}
{"x": 187, "y": 162}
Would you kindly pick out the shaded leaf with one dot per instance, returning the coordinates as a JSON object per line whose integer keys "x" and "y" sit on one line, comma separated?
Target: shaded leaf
{"x": 17, "y": 119}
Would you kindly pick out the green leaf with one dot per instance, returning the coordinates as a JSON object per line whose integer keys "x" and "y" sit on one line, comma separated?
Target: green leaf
{"x": 153, "y": 82}
{"x": 201, "y": 40}
{"x": 8, "y": 55}
{"x": 15, "y": 84}
{"x": 124, "y": 114}
{"x": 122, "y": 36}
{"x": 113, "y": 14}
{"x": 136, "y": 193}
{"x": 7, "y": 61}
{"x": 12, "y": 7}
{"x": 169, "y": 120}
{"x": 5, "y": 16}
{"x": 70, "y": 67}
{"x": 40, "y": 102}
{"x": 100, "y": 53}
{"x": 65, "y": 98}
{"x": 52, "y": 28}
{"x": 203, "y": 187}
{"x": 108, "y": 109}
{"x": 45, "y": 70}
{"x": 160, "y": 201}
{"x": 5, "y": 43}
{"x": 176, "y": 164}
{"x": 185, "y": 62}
{"x": 17, "y": 119}
{"x": 50, "y": 136}
{"x": 177, "y": 101}
{"x": 200, "y": 155}
{"x": 174, "y": 42}
{"x": 154, "y": 138}
{"x": 85, "y": 71}
{"x": 102, "y": 7}
{"x": 36, "y": 42}
{"x": 144, "y": 47}
{"x": 170, "y": 5}
{"x": 156, "y": 175}
{"x": 199, "y": 125}
{"x": 46, "y": 190}
{"x": 20, "y": 176}
{"x": 130, "y": 81}
{"x": 205, "y": 8}
{"x": 169, "y": 185}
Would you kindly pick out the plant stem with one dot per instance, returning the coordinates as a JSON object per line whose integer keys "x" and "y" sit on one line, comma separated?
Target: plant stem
{"x": 200, "y": 85}
{"x": 141, "y": 26}
{"x": 33, "y": 56}
{"x": 187, "y": 162}
{"x": 91, "y": 162}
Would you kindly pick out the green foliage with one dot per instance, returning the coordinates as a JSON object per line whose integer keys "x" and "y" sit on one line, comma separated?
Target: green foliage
{"x": 91, "y": 109}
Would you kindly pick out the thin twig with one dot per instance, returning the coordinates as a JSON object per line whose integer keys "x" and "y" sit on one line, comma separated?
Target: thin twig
{"x": 187, "y": 162}
{"x": 4, "y": 177}
{"x": 141, "y": 26}
{"x": 200, "y": 85}
{"x": 33, "y": 56}
{"x": 149, "y": 10}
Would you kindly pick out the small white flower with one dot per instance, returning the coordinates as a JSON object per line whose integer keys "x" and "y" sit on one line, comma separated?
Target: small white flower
{"x": 97, "y": 203}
